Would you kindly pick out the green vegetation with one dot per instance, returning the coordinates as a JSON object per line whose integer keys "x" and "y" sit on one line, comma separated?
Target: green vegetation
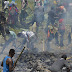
{"x": 28, "y": 9}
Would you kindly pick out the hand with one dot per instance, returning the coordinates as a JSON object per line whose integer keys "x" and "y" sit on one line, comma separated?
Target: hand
{"x": 14, "y": 65}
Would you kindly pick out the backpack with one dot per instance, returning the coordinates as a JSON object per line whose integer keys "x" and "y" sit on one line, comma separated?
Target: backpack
{"x": 13, "y": 10}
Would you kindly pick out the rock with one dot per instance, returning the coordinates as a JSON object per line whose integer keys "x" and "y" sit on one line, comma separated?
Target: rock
{"x": 35, "y": 62}
{"x": 48, "y": 60}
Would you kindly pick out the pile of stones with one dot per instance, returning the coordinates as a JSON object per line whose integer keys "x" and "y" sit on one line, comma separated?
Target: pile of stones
{"x": 35, "y": 62}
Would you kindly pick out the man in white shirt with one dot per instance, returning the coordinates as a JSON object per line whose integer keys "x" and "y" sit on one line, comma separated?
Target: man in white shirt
{"x": 29, "y": 38}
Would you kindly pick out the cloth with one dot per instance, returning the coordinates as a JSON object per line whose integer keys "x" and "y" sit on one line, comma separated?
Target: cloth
{"x": 28, "y": 34}
{"x": 6, "y": 4}
{"x": 5, "y": 66}
{"x": 29, "y": 38}
{"x": 51, "y": 16}
{"x": 39, "y": 15}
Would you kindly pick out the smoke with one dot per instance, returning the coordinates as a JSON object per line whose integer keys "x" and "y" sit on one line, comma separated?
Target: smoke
{"x": 40, "y": 16}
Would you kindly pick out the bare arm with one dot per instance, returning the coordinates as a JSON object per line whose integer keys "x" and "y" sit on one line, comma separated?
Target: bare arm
{"x": 2, "y": 64}
{"x": 10, "y": 63}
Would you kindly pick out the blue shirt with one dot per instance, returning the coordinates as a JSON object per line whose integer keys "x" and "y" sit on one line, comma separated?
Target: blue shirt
{"x": 5, "y": 66}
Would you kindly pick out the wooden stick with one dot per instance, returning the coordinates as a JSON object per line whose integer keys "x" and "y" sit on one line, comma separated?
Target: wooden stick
{"x": 19, "y": 56}
{"x": 43, "y": 45}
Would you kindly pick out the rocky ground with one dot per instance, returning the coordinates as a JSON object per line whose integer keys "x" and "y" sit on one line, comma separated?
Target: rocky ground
{"x": 35, "y": 62}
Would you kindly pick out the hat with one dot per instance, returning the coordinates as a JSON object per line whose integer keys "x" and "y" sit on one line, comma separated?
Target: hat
{"x": 61, "y": 20}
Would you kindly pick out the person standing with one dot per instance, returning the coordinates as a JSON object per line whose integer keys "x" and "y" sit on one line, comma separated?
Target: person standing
{"x": 61, "y": 31}
{"x": 51, "y": 16}
{"x": 8, "y": 63}
{"x": 2, "y": 24}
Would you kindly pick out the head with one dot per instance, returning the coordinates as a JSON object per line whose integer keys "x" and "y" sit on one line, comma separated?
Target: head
{"x": 19, "y": 34}
{"x": 64, "y": 56}
{"x": 7, "y": 31}
{"x": 11, "y": 52}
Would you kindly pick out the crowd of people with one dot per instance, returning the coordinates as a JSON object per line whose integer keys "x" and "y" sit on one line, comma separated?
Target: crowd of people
{"x": 55, "y": 28}
{"x": 56, "y": 24}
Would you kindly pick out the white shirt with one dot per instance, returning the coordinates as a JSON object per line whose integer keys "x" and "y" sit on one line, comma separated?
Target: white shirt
{"x": 28, "y": 34}
{"x": 6, "y": 4}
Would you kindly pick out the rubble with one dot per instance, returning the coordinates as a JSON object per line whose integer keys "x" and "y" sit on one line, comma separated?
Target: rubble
{"x": 39, "y": 62}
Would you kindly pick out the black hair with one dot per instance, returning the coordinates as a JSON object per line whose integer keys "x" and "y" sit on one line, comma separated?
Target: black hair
{"x": 19, "y": 34}
{"x": 64, "y": 56}
{"x": 7, "y": 31}
{"x": 11, "y": 51}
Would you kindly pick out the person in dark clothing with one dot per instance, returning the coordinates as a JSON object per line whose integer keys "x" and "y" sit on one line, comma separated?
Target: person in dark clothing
{"x": 51, "y": 15}
{"x": 2, "y": 24}
{"x": 61, "y": 31}
{"x": 38, "y": 16}
{"x": 50, "y": 36}
{"x": 23, "y": 16}
{"x": 59, "y": 64}
{"x": 56, "y": 38}
{"x": 23, "y": 13}
{"x": 56, "y": 33}
{"x": 69, "y": 38}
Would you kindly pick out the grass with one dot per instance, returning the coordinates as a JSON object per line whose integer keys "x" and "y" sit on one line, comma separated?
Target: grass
{"x": 30, "y": 3}
{"x": 0, "y": 6}
{"x": 29, "y": 9}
